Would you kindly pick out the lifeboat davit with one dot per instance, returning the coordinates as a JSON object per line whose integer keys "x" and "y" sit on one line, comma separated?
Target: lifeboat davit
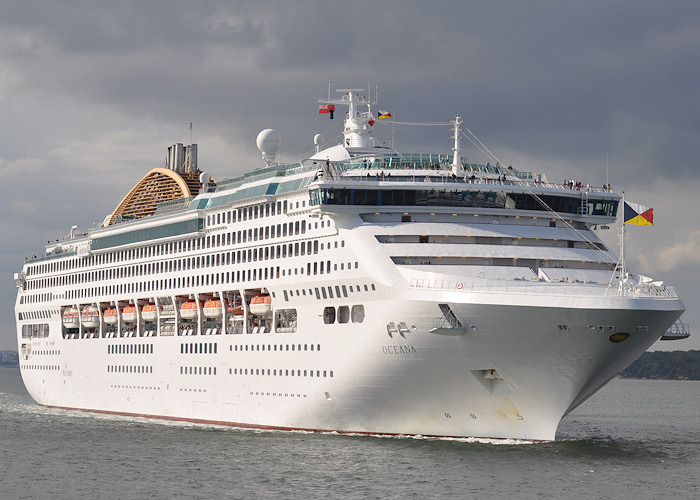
{"x": 111, "y": 316}
{"x": 188, "y": 310}
{"x": 262, "y": 304}
{"x": 90, "y": 317}
{"x": 149, "y": 312}
{"x": 129, "y": 314}
{"x": 213, "y": 308}
{"x": 71, "y": 318}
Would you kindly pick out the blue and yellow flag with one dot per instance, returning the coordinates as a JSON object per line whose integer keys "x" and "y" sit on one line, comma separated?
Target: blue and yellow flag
{"x": 638, "y": 214}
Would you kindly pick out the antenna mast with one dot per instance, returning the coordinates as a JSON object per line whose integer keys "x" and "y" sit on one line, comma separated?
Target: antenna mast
{"x": 457, "y": 158}
{"x": 622, "y": 250}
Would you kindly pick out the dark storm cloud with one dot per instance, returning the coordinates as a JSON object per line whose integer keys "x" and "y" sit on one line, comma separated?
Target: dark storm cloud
{"x": 100, "y": 27}
{"x": 579, "y": 81}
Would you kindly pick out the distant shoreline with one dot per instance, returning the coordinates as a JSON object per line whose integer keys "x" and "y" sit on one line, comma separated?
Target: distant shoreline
{"x": 9, "y": 358}
{"x": 665, "y": 365}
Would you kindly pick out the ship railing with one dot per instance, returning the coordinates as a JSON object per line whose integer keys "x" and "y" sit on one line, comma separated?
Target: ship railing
{"x": 437, "y": 168}
{"x": 633, "y": 290}
{"x": 679, "y": 329}
{"x": 530, "y": 287}
{"x": 446, "y": 178}
{"x": 171, "y": 206}
{"x": 416, "y": 161}
{"x": 54, "y": 255}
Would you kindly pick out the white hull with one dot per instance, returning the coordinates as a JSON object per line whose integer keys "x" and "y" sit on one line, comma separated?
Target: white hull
{"x": 416, "y": 382}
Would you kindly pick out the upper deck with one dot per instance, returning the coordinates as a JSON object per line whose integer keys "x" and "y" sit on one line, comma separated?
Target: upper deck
{"x": 409, "y": 180}
{"x": 430, "y": 180}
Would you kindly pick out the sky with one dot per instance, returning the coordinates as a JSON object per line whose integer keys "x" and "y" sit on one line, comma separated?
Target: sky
{"x": 93, "y": 92}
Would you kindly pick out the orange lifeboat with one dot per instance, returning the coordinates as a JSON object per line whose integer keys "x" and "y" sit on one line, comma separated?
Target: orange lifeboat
{"x": 235, "y": 310}
{"x": 213, "y": 308}
{"x": 90, "y": 317}
{"x": 262, "y": 304}
{"x": 129, "y": 314}
{"x": 111, "y": 316}
{"x": 71, "y": 317}
{"x": 188, "y": 310}
{"x": 149, "y": 312}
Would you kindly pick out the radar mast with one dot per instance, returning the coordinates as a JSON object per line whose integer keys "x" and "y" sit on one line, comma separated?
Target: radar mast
{"x": 357, "y": 130}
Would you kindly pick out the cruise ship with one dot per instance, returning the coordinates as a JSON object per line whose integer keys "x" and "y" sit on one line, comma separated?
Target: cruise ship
{"x": 361, "y": 290}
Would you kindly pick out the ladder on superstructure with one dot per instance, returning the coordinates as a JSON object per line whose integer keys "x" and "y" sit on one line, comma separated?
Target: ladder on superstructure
{"x": 583, "y": 207}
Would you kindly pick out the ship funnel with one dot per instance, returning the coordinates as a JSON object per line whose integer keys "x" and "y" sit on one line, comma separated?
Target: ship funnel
{"x": 182, "y": 159}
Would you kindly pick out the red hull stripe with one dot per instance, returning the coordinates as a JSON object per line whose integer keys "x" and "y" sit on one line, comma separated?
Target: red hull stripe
{"x": 272, "y": 427}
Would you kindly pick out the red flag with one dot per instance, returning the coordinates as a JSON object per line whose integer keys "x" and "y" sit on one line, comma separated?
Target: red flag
{"x": 326, "y": 108}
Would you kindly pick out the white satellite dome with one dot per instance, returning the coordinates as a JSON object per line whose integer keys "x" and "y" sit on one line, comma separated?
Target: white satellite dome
{"x": 268, "y": 143}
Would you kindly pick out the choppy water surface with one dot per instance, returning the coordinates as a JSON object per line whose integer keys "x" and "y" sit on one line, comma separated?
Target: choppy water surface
{"x": 634, "y": 439}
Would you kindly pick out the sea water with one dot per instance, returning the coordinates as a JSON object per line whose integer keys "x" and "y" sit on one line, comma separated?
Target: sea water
{"x": 634, "y": 439}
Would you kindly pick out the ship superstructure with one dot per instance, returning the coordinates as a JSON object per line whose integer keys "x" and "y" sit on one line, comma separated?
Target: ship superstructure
{"x": 361, "y": 290}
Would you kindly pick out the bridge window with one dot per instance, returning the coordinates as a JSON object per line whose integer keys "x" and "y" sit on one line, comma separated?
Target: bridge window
{"x": 461, "y": 198}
